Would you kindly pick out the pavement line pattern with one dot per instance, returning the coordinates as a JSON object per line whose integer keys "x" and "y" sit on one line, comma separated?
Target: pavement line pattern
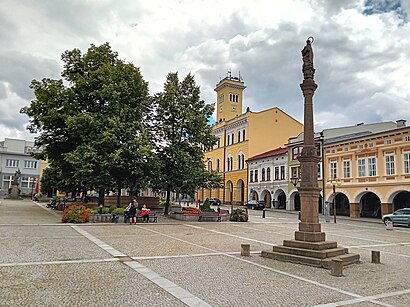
{"x": 231, "y": 235}
{"x": 99, "y": 243}
{"x": 381, "y": 245}
{"x": 256, "y": 229}
{"x": 58, "y": 262}
{"x": 183, "y": 295}
{"x": 280, "y": 272}
{"x": 173, "y": 289}
{"x": 365, "y": 299}
{"x": 189, "y": 255}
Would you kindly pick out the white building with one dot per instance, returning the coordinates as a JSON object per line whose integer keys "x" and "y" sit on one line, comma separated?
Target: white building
{"x": 14, "y": 156}
{"x": 268, "y": 178}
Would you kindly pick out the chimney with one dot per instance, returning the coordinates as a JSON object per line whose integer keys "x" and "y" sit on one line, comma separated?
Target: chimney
{"x": 401, "y": 123}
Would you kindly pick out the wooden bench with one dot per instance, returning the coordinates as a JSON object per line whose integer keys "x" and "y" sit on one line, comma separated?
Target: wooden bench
{"x": 152, "y": 217}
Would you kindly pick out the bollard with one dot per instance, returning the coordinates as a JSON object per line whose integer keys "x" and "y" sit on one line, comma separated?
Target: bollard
{"x": 246, "y": 210}
{"x": 389, "y": 225}
{"x": 245, "y": 249}
{"x": 337, "y": 267}
{"x": 375, "y": 257}
{"x": 263, "y": 213}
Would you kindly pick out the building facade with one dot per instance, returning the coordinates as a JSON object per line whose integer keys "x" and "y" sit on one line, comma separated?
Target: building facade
{"x": 268, "y": 178}
{"x": 15, "y": 156}
{"x": 372, "y": 172}
{"x": 240, "y": 136}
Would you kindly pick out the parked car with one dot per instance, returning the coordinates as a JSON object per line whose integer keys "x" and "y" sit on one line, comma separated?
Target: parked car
{"x": 255, "y": 204}
{"x": 398, "y": 217}
{"x": 215, "y": 202}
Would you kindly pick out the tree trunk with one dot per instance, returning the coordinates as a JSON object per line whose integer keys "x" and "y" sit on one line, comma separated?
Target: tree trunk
{"x": 84, "y": 196}
{"x": 119, "y": 197}
{"x": 167, "y": 201}
{"x": 101, "y": 196}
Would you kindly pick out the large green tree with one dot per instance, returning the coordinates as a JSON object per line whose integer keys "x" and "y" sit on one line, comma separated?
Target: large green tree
{"x": 183, "y": 133}
{"x": 92, "y": 123}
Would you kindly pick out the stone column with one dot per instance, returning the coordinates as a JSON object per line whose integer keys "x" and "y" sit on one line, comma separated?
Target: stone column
{"x": 354, "y": 210}
{"x": 386, "y": 208}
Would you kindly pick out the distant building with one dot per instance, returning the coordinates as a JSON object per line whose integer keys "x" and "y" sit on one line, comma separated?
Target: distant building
{"x": 268, "y": 178}
{"x": 240, "y": 136}
{"x": 14, "y": 156}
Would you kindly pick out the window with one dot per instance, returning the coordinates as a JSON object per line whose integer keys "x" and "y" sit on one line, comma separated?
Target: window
{"x": 6, "y": 182}
{"x": 371, "y": 145}
{"x": 256, "y": 175}
{"x": 282, "y": 172}
{"x": 333, "y": 170}
{"x": 361, "y": 167}
{"x": 295, "y": 171}
{"x": 234, "y": 108}
{"x": 30, "y": 164}
{"x": 276, "y": 172}
{"x": 346, "y": 169}
{"x": 388, "y": 142}
{"x": 233, "y": 97}
{"x": 209, "y": 166}
{"x": 243, "y": 161}
{"x": 28, "y": 182}
{"x": 319, "y": 171}
{"x": 360, "y": 146}
{"x": 229, "y": 139}
{"x": 239, "y": 136}
{"x": 406, "y": 158}
{"x": 217, "y": 165}
{"x": 219, "y": 142}
{"x": 232, "y": 138}
{"x": 12, "y": 163}
{"x": 390, "y": 165}
{"x": 268, "y": 174}
{"x": 251, "y": 176}
{"x": 407, "y": 138}
{"x": 371, "y": 164}
{"x": 243, "y": 135}
{"x": 239, "y": 161}
{"x": 296, "y": 151}
{"x": 263, "y": 174}
{"x": 221, "y": 98}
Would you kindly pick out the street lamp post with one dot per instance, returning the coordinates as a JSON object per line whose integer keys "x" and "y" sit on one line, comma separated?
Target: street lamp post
{"x": 334, "y": 182}
{"x": 33, "y": 182}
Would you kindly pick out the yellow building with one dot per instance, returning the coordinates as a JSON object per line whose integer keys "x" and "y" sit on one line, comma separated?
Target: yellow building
{"x": 372, "y": 171}
{"x": 240, "y": 136}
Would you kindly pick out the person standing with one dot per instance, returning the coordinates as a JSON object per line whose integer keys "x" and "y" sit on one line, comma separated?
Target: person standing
{"x": 132, "y": 211}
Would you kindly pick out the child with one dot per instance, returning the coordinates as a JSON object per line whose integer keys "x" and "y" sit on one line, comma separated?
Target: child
{"x": 145, "y": 213}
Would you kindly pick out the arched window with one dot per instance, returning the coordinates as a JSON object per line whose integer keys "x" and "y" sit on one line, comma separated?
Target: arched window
{"x": 209, "y": 165}
{"x": 268, "y": 174}
{"x": 243, "y": 161}
{"x": 251, "y": 176}
{"x": 217, "y": 165}
{"x": 263, "y": 174}
{"x": 239, "y": 136}
{"x": 239, "y": 161}
{"x": 229, "y": 138}
{"x": 243, "y": 135}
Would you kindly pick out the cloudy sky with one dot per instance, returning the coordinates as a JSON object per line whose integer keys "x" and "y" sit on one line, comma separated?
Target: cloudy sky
{"x": 362, "y": 50}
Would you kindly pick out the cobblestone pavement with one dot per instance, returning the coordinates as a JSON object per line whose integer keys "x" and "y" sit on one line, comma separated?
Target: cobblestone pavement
{"x": 173, "y": 263}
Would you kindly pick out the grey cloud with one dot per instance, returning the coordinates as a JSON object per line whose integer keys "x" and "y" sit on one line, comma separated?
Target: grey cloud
{"x": 3, "y": 92}
{"x": 18, "y": 69}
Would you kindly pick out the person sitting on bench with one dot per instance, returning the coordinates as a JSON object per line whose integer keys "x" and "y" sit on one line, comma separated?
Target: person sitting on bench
{"x": 145, "y": 213}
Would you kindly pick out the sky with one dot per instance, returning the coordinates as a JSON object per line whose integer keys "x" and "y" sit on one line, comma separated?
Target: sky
{"x": 361, "y": 51}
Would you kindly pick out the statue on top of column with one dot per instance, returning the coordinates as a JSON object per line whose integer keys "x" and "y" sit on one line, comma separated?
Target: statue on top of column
{"x": 307, "y": 55}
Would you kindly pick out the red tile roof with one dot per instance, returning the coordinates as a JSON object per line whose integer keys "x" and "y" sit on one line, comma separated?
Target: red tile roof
{"x": 270, "y": 153}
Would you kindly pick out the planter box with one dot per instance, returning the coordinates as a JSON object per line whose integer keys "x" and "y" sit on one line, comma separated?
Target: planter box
{"x": 184, "y": 217}
{"x": 100, "y": 218}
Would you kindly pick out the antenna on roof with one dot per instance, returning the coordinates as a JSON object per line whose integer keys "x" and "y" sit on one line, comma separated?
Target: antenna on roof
{"x": 240, "y": 77}
{"x": 229, "y": 74}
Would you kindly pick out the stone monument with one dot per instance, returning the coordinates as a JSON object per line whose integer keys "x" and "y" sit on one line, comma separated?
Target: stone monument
{"x": 309, "y": 246}
{"x": 15, "y": 185}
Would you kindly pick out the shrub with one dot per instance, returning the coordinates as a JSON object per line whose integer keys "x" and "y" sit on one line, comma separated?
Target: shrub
{"x": 76, "y": 214}
{"x": 112, "y": 208}
{"x": 239, "y": 215}
{"x": 206, "y": 207}
{"x": 118, "y": 211}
